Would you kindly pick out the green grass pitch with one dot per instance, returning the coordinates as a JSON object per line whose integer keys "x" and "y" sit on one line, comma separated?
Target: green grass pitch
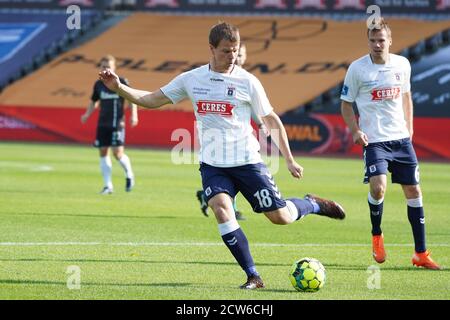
{"x": 154, "y": 243}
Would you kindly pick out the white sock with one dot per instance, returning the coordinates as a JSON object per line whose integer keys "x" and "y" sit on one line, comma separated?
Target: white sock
{"x": 227, "y": 227}
{"x": 126, "y": 165}
{"x": 415, "y": 203}
{"x": 106, "y": 167}
{"x": 374, "y": 201}
{"x": 293, "y": 211}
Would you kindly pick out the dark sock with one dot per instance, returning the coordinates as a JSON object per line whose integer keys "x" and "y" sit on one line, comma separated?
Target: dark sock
{"x": 237, "y": 243}
{"x": 376, "y": 213}
{"x": 416, "y": 218}
{"x": 304, "y": 206}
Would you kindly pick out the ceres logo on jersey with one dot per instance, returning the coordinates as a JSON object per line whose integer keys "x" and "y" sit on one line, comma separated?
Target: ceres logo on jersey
{"x": 223, "y": 108}
{"x": 386, "y": 94}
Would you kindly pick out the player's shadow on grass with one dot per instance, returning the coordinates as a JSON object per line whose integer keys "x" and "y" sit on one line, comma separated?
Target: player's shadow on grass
{"x": 214, "y": 263}
{"x": 382, "y": 268}
{"x": 331, "y": 266}
{"x": 93, "y": 215}
{"x": 265, "y": 290}
{"x": 149, "y": 285}
{"x": 46, "y": 282}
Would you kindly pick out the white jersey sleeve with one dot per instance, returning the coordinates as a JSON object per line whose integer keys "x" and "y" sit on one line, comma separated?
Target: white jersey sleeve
{"x": 351, "y": 85}
{"x": 175, "y": 89}
{"x": 406, "y": 76}
{"x": 259, "y": 101}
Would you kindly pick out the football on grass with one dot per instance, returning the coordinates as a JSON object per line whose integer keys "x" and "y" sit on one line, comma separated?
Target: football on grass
{"x": 308, "y": 275}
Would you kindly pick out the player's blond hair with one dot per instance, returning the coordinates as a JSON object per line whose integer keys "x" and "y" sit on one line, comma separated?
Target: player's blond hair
{"x": 379, "y": 25}
{"x": 109, "y": 58}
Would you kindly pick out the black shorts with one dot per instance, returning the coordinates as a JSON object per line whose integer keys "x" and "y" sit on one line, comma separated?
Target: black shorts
{"x": 109, "y": 137}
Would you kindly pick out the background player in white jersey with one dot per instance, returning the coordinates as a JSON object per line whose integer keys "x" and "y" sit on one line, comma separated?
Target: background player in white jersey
{"x": 240, "y": 61}
{"x": 223, "y": 96}
{"x": 379, "y": 83}
{"x": 111, "y": 127}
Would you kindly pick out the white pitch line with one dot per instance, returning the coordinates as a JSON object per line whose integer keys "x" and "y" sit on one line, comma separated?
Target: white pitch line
{"x": 26, "y": 166}
{"x": 201, "y": 244}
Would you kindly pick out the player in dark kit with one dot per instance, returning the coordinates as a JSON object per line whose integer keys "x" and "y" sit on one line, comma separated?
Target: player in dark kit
{"x": 111, "y": 127}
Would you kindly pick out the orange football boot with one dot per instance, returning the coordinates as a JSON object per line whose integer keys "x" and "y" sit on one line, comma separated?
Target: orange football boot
{"x": 423, "y": 259}
{"x": 378, "y": 248}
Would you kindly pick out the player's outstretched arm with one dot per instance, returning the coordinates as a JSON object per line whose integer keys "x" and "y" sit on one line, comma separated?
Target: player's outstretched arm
{"x": 142, "y": 98}
{"x": 280, "y": 138}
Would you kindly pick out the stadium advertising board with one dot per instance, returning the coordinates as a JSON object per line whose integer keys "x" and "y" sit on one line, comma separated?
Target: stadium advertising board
{"x": 328, "y": 134}
{"x": 15, "y": 129}
{"x": 315, "y": 134}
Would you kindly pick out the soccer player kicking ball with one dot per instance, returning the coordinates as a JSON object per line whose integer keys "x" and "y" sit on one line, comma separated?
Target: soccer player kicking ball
{"x": 379, "y": 83}
{"x": 223, "y": 96}
{"x": 240, "y": 61}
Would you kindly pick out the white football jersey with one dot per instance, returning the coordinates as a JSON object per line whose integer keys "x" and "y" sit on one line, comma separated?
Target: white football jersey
{"x": 377, "y": 90}
{"x": 223, "y": 105}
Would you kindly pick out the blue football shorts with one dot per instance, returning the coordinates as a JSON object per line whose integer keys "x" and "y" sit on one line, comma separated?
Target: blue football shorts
{"x": 254, "y": 181}
{"x": 396, "y": 156}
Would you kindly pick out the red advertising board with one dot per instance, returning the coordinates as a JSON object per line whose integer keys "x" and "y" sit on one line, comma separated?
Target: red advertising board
{"x": 311, "y": 134}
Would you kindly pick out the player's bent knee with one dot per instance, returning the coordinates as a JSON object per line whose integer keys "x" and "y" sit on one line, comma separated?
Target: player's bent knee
{"x": 378, "y": 191}
{"x": 219, "y": 207}
{"x": 118, "y": 155}
{"x": 222, "y": 207}
{"x": 278, "y": 217}
{"x": 412, "y": 191}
